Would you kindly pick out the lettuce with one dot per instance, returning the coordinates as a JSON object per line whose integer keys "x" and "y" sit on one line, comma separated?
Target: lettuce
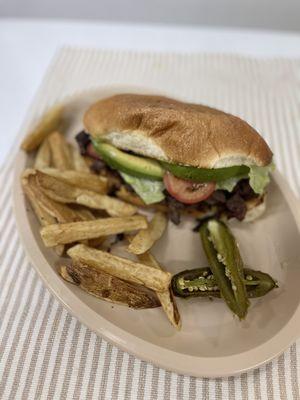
{"x": 150, "y": 191}
{"x": 260, "y": 177}
{"x": 230, "y": 183}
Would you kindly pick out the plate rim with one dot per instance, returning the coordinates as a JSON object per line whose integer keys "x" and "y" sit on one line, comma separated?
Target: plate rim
{"x": 209, "y": 367}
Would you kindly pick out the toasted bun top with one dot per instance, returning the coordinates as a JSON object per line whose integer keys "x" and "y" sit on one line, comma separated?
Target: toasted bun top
{"x": 177, "y": 132}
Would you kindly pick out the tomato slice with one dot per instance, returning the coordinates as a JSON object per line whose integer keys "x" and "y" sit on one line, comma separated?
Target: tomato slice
{"x": 188, "y": 192}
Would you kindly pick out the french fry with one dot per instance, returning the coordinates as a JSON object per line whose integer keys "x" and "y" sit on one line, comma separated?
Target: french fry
{"x": 60, "y": 152}
{"x": 114, "y": 207}
{"x": 121, "y": 267}
{"x": 129, "y": 197}
{"x": 79, "y": 162}
{"x": 43, "y": 157}
{"x": 65, "y": 193}
{"x": 61, "y": 212}
{"x": 82, "y": 180}
{"x": 166, "y": 298}
{"x": 97, "y": 242}
{"x": 59, "y": 249}
{"x": 50, "y": 121}
{"x": 76, "y": 231}
{"x": 84, "y": 214}
{"x": 146, "y": 238}
{"x": 107, "y": 287}
{"x": 43, "y": 216}
{"x": 70, "y": 153}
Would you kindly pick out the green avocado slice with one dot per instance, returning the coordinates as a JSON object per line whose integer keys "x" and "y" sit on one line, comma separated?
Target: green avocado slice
{"x": 143, "y": 167}
{"x": 206, "y": 174}
{"x": 130, "y": 164}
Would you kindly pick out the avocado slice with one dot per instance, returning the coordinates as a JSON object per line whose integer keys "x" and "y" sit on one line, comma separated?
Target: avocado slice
{"x": 151, "y": 169}
{"x": 206, "y": 174}
{"x": 128, "y": 163}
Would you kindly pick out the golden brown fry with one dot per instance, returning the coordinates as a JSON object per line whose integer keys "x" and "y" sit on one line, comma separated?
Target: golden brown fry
{"x": 82, "y": 180}
{"x": 166, "y": 298}
{"x": 70, "y": 152}
{"x": 79, "y": 162}
{"x": 43, "y": 157}
{"x": 60, "y": 211}
{"x": 84, "y": 214}
{"x": 65, "y": 193}
{"x": 97, "y": 242}
{"x": 59, "y": 249}
{"x": 129, "y": 197}
{"x": 50, "y": 121}
{"x": 108, "y": 287}
{"x": 114, "y": 207}
{"x": 43, "y": 216}
{"x": 146, "y": 238}
{"x": 121, "y": 267}
{"x": 60, "y": 152}
{"x": 76, "y": 231}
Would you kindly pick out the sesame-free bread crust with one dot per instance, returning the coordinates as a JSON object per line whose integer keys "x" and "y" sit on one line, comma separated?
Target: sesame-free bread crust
{"x": 177, "y": 132}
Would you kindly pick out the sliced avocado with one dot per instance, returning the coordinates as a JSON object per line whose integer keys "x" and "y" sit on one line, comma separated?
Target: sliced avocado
{"x": 128, "y": 163}
{"x": 151, "y": 169}
{"x": 206, "y": 174}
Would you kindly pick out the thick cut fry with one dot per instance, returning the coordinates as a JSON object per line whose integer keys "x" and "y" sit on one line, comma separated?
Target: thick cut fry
{"x": 61, "y": 212}
{"x": 108, "y": 287}
{"x": 60, "y": 152}
{"x": 84, "y": 214}
{"x": 79, "y": 163}
{"x": 121, "y": 267}
{"x": 76, "y": 231}
{"x": 146, "y": 238}
{"x": 65, "y": 193}
{"x": 70, "y": 148}
{"x": 98, "y": 242}
{"x": 82, "y": 180}
{"x": 59, "y": 249}
{"x": 166, "y": 298}
{"x": 112, "y": 206}
{"x": 43, "y": 157}
{"x": 50, "y": 121}
{"x": 43, "y": 216}
{"x": 129, "y": 197}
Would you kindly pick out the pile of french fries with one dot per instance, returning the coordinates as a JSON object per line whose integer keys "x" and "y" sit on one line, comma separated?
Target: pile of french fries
{"x": 78, "y": 218}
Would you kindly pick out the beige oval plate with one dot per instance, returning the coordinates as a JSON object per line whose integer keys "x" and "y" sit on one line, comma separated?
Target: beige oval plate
{"x": 211, "y": 343}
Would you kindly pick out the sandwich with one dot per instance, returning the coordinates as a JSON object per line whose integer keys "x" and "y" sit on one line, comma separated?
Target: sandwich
{"x": 181, "y": 158}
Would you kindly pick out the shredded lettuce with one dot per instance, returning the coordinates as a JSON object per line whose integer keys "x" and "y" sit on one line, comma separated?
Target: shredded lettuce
{"x": 150, "y": 191}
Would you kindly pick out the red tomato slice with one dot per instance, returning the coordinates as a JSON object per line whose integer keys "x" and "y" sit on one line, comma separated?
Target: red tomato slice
{"x": 188, "y": 192}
